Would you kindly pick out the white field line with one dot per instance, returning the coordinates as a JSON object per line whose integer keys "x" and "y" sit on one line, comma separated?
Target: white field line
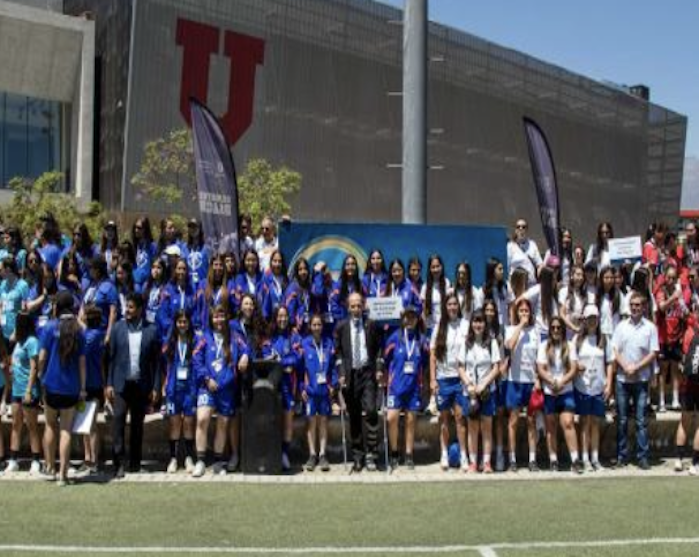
{"x": 484, "y": 550}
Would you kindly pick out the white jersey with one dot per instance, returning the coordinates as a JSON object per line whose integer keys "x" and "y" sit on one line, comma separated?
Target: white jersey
{"x": 595, "y": 360}
{"x": 523, "y": 357}
{"x": 476, "y": 301}
{"x": 478, "y": 360}
{"x": 556, "y": 368}
{"x": 433, "y": 320}
{"x": 534, "y": 297}
{"x": 456, "y": 340}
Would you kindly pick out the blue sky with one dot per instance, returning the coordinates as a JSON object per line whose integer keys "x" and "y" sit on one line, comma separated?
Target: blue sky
{"x": 624, "y": 41}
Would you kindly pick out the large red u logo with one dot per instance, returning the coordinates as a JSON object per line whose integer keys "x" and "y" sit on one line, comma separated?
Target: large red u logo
{"x": 199, "y": 42}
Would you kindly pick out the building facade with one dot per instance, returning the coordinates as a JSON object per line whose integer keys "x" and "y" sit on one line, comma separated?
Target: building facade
{"x": 315, "y": 85}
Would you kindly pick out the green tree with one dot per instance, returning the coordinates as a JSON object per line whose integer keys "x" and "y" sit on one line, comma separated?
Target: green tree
{"x": 167, "y": 175}
{"x": 33, "y": 198}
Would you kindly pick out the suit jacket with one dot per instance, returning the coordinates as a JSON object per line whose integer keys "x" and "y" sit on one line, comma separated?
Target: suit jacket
{"x": 149, "y": 361}
{"x": 343, "y": 346}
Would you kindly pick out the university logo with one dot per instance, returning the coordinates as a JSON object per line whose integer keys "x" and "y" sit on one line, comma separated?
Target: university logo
{"x": 332, "y": 250}
{"x": 199, "y": 41}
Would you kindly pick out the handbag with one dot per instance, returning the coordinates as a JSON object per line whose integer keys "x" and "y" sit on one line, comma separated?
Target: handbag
{"x": 536, "y": 402}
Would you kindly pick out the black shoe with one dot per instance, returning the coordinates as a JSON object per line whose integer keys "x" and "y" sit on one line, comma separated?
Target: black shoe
{"x": 357, "y": 466}
{"x": 553, "y": 467}
{"x": 323, "y": 463}
{"x": 577, "y": 467}
{"x": 409, "y": 462}
{"x": 371, "y": 464}
{"x": 643, "y": 464}
{"x": 621, "y": 464}
{"x": 394, "y": 463}
{"x": 534, "y": 467}
{"x": 311, "y": 463}
{"x": 513, "y": 467}
{"x": 119, "y": 472}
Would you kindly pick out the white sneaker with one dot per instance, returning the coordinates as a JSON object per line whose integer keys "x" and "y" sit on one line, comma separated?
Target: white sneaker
{"x": 35, "y": 468}
{"x": 694, "y": 470}
{"x": 219, "y": 469}
{"x": 679, "y": 467}
{"x": 12, "y": 466}
{"x": 588, "y": 466}
{"x": 464, "y": 464}
{"x": 444, "y": 462}
{"x": 199, "y": 469}
{"x": 189, "y": 464}
{"x": 172, "y": 466}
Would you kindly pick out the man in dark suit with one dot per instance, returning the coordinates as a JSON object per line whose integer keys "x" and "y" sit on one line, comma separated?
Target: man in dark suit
{"x": 358, "y": 350}
{"x": 133, "y": 381}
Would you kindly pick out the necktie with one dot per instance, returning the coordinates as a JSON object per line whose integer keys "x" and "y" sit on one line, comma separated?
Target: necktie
{"x": 356, "y": 352}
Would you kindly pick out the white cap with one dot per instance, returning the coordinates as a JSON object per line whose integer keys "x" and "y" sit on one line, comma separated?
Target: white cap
{"x": 590, "y": 311}
{"x": 173, "y": 250}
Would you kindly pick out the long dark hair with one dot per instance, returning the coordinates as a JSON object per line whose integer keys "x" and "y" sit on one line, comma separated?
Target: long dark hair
{"x": 104, "y": 240}
{"x": 345, "y": 279}
{"x": 389, "y": 282}
{"x": 493, "y": 327}
{"x": 478, "y": 315}
{"x": 440, "y": 349}
{"x": 493, "y": 287}
{"x": 171, "y": 350}
{"x": 24, "y": 327}
{"x": 549, "y": 292}
{"x": 68, "y": 329}
{"x": 211, "y": 285}
{"x": 367, "y": 268}
{"x": 146, "y": 231}
{"x": 15, "y": 235}
{"x": 84, "y": 246}
{"x": 225, "y": 333}
{"x": 468, "y": 287}
{"x": 570, "y": 299}
{"x": 563, "y": 343}
{"x": 257, "y": 330}
{"x": 429, "y": 284}
{"x": 599, "y": 244}
{"x": 613, "y": 293}
{"x": 198, "y": 240}
{"x": 295, "y": 273}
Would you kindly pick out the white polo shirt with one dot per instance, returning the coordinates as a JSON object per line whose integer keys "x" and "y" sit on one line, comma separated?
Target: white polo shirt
{"x": 456, "y": 341}
{"x": 595, "y": 360}
{"x": 633, "y": 342}
{"x": 478, "y": 361}
{"x": 523, "y": 357}
{"x": 556, "y": 367}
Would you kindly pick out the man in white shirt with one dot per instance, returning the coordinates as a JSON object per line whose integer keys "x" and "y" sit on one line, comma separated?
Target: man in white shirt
{"x": 635, "y": 345}
{"x": 267, "y": 243}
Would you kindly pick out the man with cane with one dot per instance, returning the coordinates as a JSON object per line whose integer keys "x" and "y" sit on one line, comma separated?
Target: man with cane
{"x": 358, "y": 352}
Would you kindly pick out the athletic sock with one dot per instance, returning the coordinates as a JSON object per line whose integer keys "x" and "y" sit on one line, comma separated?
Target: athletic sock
{"x": 595, "y": 456}
{"x": 486, "y": 459}
{"x": 464, "y": 458}
{"x": 585, "y": 456}
{"x": 174, "y": 445}
{"x": 36, "y": 456}
{"x": 218, "y": 457}
{"x": 14, "y": 455}
{"x": 675, "y": 397}
{"x": 553, "y": 457}
{"x": 473, "y": 459}
{"x": 513, "y": 457}
{"x": 681, "y": 451}
{"x": 532, "y": 456}
{"x": 189, "y": 447}
{"x": 201, "y": 456}
{"x": 574, "y": 456}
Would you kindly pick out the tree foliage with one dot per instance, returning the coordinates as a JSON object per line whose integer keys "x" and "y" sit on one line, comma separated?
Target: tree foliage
{"x": 167, "y": 175}
{"x": 34, "y": 198}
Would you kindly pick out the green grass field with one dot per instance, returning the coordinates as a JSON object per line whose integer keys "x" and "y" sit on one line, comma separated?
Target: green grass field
{"x": 455, "y": 517}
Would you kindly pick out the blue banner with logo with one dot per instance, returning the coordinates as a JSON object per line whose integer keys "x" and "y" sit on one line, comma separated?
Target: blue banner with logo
{"x": 332, "y": 242}
{"x": 216, "y": 181}
{"x": 544, "y": 175}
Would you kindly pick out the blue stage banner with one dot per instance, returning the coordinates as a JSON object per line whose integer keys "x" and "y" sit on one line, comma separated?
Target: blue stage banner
{"x": 332, "y": 242}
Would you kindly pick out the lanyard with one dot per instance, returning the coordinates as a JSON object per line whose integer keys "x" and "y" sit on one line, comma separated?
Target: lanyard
{"x": 154, "y": 295}
{"x": 181, "y": 296}
{"x": 319, "y": 353}
{"x": 409, "y": 346}
{"x": 251, "y": 284}
{"x": 219, "y": 346}
{"x": 276, "y": 284}
{"x": 182, "y": 351}
{"x": 395, "y": 291}
{"x": 377, "y": 281}
{"x": 217, "y": 296}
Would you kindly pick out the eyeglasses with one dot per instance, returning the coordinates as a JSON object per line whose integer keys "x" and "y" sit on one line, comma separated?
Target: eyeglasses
{"x": 521, "y": 227}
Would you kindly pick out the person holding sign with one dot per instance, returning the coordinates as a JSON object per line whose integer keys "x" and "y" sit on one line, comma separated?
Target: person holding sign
{"x": 180, "y": 390}
{"x": 401, "y": 287}
{"x": 593, "y": 383}
{"x": 320, "y": 379}
{"x": 405, "y": 357}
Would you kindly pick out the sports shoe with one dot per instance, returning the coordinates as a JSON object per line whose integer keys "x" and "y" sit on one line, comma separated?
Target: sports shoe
{"x": 679, "y": 467}
{"x": 371, "y": 463}
{"x": 432, "y": 406}
{"x": 534, "y": 467}
{"x": 323, "y": 463}
{"x": 444, "y": 462}
{"x": 409, "y": 462}
{"x": 694, "y": 470}
{"x": 577, "y": 467}
{"x": 219, "y": 468}
{"x": 48, "y": 475}
{"x": 311, "y": 463}
{"x": 233, "y": 463}
{"x": 63, "y": 482}
{"x": 172, "y": 466}
{"x": 500, "y": 462}
{"x": 553, "y": 466}
{"x": 513, "y": 467}
{"x": 199, "y": 469}
{"x": 12, "y": 466}
{"x": 35, "y": 468}
{"x": 472, "y": 468}
{"x": 487, "y": 468}
{"x": 662, "y": 409}
{"x": 643, "y": 464}
{"x": 596, "y": 466}
{"x": 286, "y": 464}
{"x": 587, "y": 465}
{"x": 188, "y": 464}
{"x": 394, "y": 463}
{"x": 464, "y": 464}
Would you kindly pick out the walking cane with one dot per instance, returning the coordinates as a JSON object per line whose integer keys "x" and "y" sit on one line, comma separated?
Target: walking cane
{"x": 343, "y": 409}
{"x": 385, "y": 428}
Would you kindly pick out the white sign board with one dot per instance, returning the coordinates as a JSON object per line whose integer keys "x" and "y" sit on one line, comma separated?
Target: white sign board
{"x": 385, "y": 309}
{"x": 625, "y": 249}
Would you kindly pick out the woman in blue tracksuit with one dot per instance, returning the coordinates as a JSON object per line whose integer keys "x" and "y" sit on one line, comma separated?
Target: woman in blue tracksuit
{"x": 399, "y": 286}
{"x": 248, "y": 281}
{"x": 375, "y": 276}
{"x": 83, "y": 248}
{"x": 347, "y": 284}
{"x": 285, "y": 346}
{"x": 406, "y": 356}
{"x": 297, "y": 297}
{"x": 322, "y": 287}
{"x": 198, "y": 253}
{"x": 320, "y": 379}
{"x": 69, "y": 277}
{"x": 154, "y": 293}
{"x": 218, "y": 358}
{"x": 212, "y": 292}
{"x": 146, "y": 248}
{"x": 180, "y": 389}
{"x": 101, "y": 292}
{"x": 124, "y": 285}
{"x": 178, "y": 295}
{"x": 274, "y": 285}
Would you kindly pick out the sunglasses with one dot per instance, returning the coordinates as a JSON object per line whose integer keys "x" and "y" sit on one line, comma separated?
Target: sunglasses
{"x": 521, "y": 227}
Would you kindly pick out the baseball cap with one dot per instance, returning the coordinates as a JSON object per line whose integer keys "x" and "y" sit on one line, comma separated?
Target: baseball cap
{"x": 590, "y": 311}
{"x": 173, "y": 250}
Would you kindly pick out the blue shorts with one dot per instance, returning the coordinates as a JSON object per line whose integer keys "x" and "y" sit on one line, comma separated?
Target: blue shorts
{"x": 451, "y": 392}
{"x": 223, "y": 402}
{"x": 183, "y": 402}
{"x": 589, "y": 405}
{"x": 557, "y": 404}
{"x": 318, "y": 405}
{"x": 287, "y": 391}
{"x": 499, "y": 395}
{"x": 517, "y": 395}
{"x": 408, "y": 402}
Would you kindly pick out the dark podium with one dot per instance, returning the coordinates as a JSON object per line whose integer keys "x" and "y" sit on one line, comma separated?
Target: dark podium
{"x": 262, "y": 419}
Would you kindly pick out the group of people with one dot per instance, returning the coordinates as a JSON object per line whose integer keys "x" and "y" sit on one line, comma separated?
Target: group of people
{"x": 136, "y": 325}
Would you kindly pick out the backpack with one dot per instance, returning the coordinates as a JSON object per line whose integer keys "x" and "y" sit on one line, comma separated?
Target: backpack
{"x": 690, "y": 366}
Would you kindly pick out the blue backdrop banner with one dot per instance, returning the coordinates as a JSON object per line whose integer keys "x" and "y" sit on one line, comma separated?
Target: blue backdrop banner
{"x": 332, "y": 242}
